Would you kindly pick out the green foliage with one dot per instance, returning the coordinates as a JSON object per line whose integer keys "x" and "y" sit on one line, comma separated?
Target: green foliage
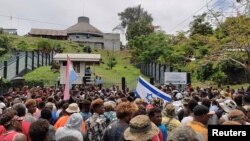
{"x": 137, "y": 21}
{"x": 200, "y": 26}
{"x": 22, "y": 46}
{"x": 44, "y": 46}
{"x": 219, "y": 77}
{"x": 205, "y": 72}
{"x": 32, "y": 83}
{"x": 111, "y": 62}
{"x": 4, "y": 45}
{"x": 87, "y": 49}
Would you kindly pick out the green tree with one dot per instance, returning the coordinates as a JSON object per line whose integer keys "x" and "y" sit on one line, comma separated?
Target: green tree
{"x": 137, "y": 21}
{"x": 22, "y": 46}
{"x": 111, "y": 62}
{"x": 44, "y": 46}
{"x": 200, "y": 26}
{"x": 4, "y": 45}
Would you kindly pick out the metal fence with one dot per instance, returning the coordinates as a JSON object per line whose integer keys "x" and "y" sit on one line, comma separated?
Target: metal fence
{"x": 22, "y": 62}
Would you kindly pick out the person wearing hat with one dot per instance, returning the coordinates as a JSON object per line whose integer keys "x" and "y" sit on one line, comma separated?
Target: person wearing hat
{"x": 71, "y": 129}
{"x": 124, "y": 111}
{"x": 169, "y": 117}
{"x": 238, "y": 116}
{"x": 10, "y": 122}
{"x": 97, "y": 122}
{"x": 141, "y": 129}
{"x": 226, "y": 107}
{"x": 201, "y": 117}
{"x": 184, "y": 133}
{"x": 73, "y": 108}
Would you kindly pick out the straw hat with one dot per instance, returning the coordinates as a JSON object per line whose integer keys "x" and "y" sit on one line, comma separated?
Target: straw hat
{"x": 73, "y": 108}
{"x": 140, "y": 129}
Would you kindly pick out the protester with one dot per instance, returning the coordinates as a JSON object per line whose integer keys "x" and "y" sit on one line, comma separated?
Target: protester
{"x": 31, "y": 106}
{"x": 184, "y": 133}
{"x": 124, "y": 111}
{"x": 39, "y": 130}
{"x": 72, "y": 129}
{"x": 169, "y": 117}
{"x": 12, "y": 127}
{"x": 46, "y": 114}
{"x": 141, "y": 129}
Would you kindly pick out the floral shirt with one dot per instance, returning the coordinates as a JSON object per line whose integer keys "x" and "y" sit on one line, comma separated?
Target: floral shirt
{"x": 95, "y": 127}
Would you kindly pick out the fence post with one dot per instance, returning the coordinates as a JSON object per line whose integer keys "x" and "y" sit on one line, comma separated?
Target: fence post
{"x": 152, "y": 80}
{"x": 26, "y": 61}
{"x": 123, "y": 84}
{"x": 155, "y": 70}
{"x": 159, "y": 72}
{"x": 42, "y": 58}
{"x": 46, "y": 59}
{"x": 17, "y": 64}
{"x": 38, "y": 59}
{"x": 5, "y": 69}
{"x": 32, "y": 60}
{"x": 49, "y": 58}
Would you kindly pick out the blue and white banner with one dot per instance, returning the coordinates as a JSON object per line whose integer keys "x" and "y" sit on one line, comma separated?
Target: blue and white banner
{"x": 148, "y": 91}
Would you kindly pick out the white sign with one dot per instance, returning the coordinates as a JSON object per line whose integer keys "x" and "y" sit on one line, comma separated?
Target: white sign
{"x": 175, "y": 78}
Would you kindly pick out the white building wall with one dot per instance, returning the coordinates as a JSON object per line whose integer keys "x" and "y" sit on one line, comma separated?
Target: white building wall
{"x": 111, "y": 41}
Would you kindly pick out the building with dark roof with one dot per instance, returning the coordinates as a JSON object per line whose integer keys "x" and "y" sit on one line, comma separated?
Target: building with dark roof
{"x": 82, "y": 32}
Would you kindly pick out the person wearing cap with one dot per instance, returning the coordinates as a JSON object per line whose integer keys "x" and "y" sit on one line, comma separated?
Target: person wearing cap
{"x": 183, "y": 111}
{"x": 201, "y": 117}
{"x": 97, "y": 122}
{"x": 169, "y": 117}
{"x": 72, "y": 108}
{"x": 226, "y": 107}
{"x": 141, "y": 129}
{"x": 124, "y": 111}
{"x": 10, "y": 122}
{"x": 184, "y": 133}
{"x": 31, "y": 106}
{"x": 71, "y": 129}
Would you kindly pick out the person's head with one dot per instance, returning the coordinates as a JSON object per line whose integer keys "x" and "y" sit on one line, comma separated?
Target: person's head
{"x": 75, "y": 121}
{"x": 201, "y": 114}
{"x": 125, "y": 111}
{"x": 86, "y": 105}
{"x": 228, "y": 105}
{"x": 31, "y": 105}
{"x": 155, "y": 115}
{"x": 246, "y": 99}
{"x": 72, "y": 108}
{"x": 169, "y": 110}
{"x": 140, "y": 127}
{"x": 97, "y": 106}
{"x": 206, "y": 102}
{"x": 238, "y": 116}
{"x": 9, "y": 120}
{"x": 46, "y": 114}
{"x": 20, "y": 108}
{"x": 109, "y": 106}
{"x": 229, "y": 122}
{"x": 191, "y": 104}
{"x": 39, "y": 130}
{"x": 238, "y": 99}
{"x": 183, "y": 133}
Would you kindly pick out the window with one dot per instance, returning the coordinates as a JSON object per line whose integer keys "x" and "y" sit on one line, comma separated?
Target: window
{"x": 77, "y": 36}
{"x": 64, "y": 63}
{"x": 76, "y": 66}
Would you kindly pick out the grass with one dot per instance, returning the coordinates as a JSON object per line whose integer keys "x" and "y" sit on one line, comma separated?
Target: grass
{"x": 43, "y": 73}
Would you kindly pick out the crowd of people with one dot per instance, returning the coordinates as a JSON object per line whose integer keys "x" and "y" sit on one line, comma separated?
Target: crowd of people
{"x": 94, "y": 114}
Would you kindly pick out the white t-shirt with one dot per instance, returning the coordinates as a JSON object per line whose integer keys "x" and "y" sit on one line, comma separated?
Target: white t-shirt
{"x": 186, "y": 120}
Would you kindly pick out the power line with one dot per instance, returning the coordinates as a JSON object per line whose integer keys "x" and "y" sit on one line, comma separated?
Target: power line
{"x": 190, "y": 16}
{"x": 31, "y": 20}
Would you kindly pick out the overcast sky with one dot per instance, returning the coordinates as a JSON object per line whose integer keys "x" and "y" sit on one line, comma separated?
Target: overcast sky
{"x": 170, "y": 15}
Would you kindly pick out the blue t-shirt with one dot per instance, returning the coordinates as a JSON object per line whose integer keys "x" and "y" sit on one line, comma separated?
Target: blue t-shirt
{"x": 163, "y": 129}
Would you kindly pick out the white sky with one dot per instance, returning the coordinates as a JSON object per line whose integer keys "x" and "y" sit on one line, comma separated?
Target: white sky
{"x": 103, "y": 14}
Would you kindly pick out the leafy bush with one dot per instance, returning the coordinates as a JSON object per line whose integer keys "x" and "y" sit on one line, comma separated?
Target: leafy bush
{"x": 31, "y": 83}
{"x": 204, "y": 72}
{"x": 111, "y": 62}
{"x": 87, "y": 49}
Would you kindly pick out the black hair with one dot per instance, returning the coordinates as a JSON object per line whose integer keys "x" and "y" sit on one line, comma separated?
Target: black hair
{"x": 46, "y": 114}
{"x": 151, "y": 112}
{"x": 39, "y": 130}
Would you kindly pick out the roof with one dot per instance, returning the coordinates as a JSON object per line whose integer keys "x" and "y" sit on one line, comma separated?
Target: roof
{"x": 78, "y": 57}
{"x": 50, "y": 32}
{"x": 83, "y": 26}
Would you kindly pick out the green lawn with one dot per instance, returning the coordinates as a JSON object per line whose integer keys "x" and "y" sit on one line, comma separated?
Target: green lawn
{"x": 43, "y": 73}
